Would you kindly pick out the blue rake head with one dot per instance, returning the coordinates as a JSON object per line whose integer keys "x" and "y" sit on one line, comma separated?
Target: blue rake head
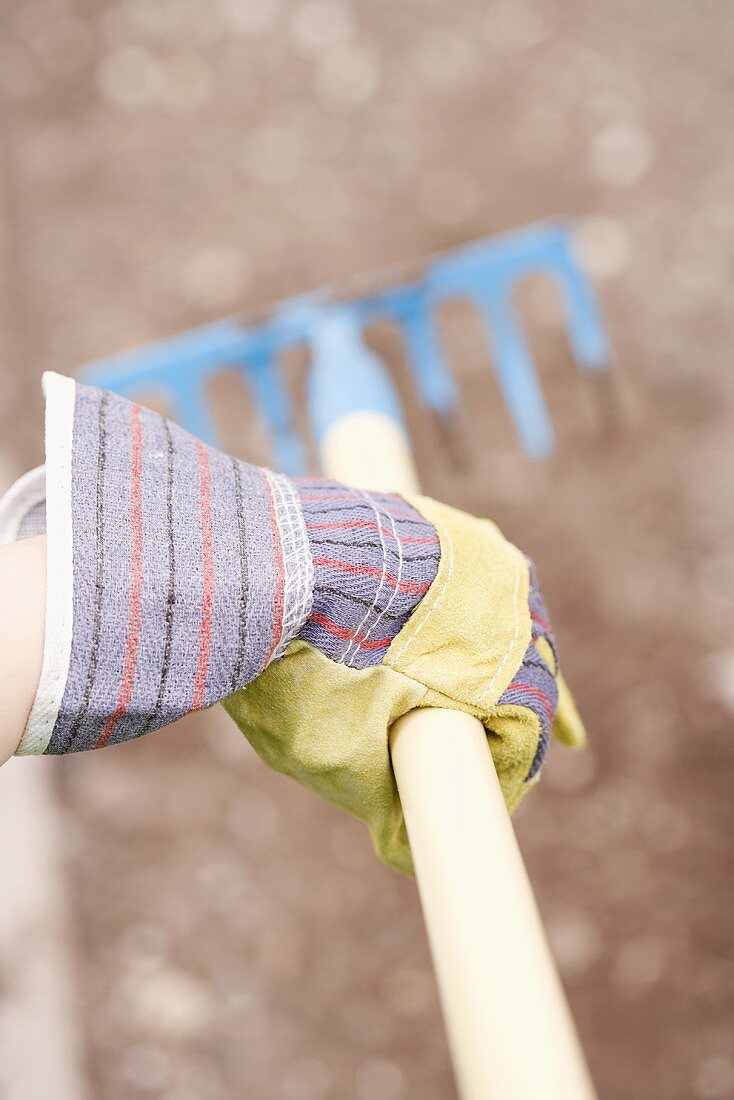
{"x": 345, "y": 375}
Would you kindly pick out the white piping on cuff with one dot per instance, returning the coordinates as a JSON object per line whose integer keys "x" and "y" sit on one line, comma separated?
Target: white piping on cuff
{"x": 22, "y": 496}
{"x": 60, "y": 394}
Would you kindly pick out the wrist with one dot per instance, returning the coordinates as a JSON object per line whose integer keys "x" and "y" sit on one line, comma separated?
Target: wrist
{"x": 23, "y": 600}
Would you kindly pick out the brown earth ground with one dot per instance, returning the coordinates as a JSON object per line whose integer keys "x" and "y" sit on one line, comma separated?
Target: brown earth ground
{"x": 164, "y": 163}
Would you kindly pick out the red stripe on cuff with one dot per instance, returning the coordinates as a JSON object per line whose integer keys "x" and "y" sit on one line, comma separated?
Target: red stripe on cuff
{"x": 373, "y": 571}
{"x": 348, "y": 635}
{"x": 544, "y": 700}
{"x": 541, "y": 622}
{"x": 351, "y": 523}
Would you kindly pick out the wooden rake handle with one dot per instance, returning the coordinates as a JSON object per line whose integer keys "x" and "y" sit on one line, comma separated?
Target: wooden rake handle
{"x": 510, "y": 1031}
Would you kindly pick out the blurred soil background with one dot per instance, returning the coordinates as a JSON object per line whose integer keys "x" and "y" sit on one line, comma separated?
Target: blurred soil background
{"x": 165, "y": 162}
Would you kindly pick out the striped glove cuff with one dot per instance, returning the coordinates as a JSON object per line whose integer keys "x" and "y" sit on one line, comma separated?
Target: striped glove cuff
{"x": 177, "y": 574}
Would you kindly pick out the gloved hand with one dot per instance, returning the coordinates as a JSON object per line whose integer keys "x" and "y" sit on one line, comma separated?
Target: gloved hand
{"x": 478, "y": 641}
{"x": 179, "y": 577}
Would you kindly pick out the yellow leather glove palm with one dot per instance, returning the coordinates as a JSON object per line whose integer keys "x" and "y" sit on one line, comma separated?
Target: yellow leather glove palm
{"x": 479, "y": 641}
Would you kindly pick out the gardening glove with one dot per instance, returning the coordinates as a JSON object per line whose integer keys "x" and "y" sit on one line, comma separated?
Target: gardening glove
{"x": 179, "y": 577}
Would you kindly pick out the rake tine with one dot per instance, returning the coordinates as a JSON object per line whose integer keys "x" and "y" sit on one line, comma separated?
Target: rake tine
{"x": 516, "y": 372}
{"x": 265, "y": 381}
{"x": 583, "y": 317}
{"x": 189, "y": 404}
{"x": 434, "y": 381}
{"x": 433, "y": 378}
{"x": 182, "y": 390}
{"x": 177, "y": 368}
{"x": 589, "y": 343}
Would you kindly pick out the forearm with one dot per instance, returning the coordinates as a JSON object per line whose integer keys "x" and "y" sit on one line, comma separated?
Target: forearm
{"x": 23, "y": 602}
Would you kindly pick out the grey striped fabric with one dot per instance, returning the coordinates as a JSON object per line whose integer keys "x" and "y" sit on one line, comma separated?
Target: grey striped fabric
{"x": 375, "y": 556}
{"x": 534, "y": 684}
{"x": 174, "y": 577}
{"x": 193, "y": 570}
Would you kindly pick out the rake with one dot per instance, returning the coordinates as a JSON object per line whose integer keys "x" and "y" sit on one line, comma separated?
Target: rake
{"x": 509, "y": 1028}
